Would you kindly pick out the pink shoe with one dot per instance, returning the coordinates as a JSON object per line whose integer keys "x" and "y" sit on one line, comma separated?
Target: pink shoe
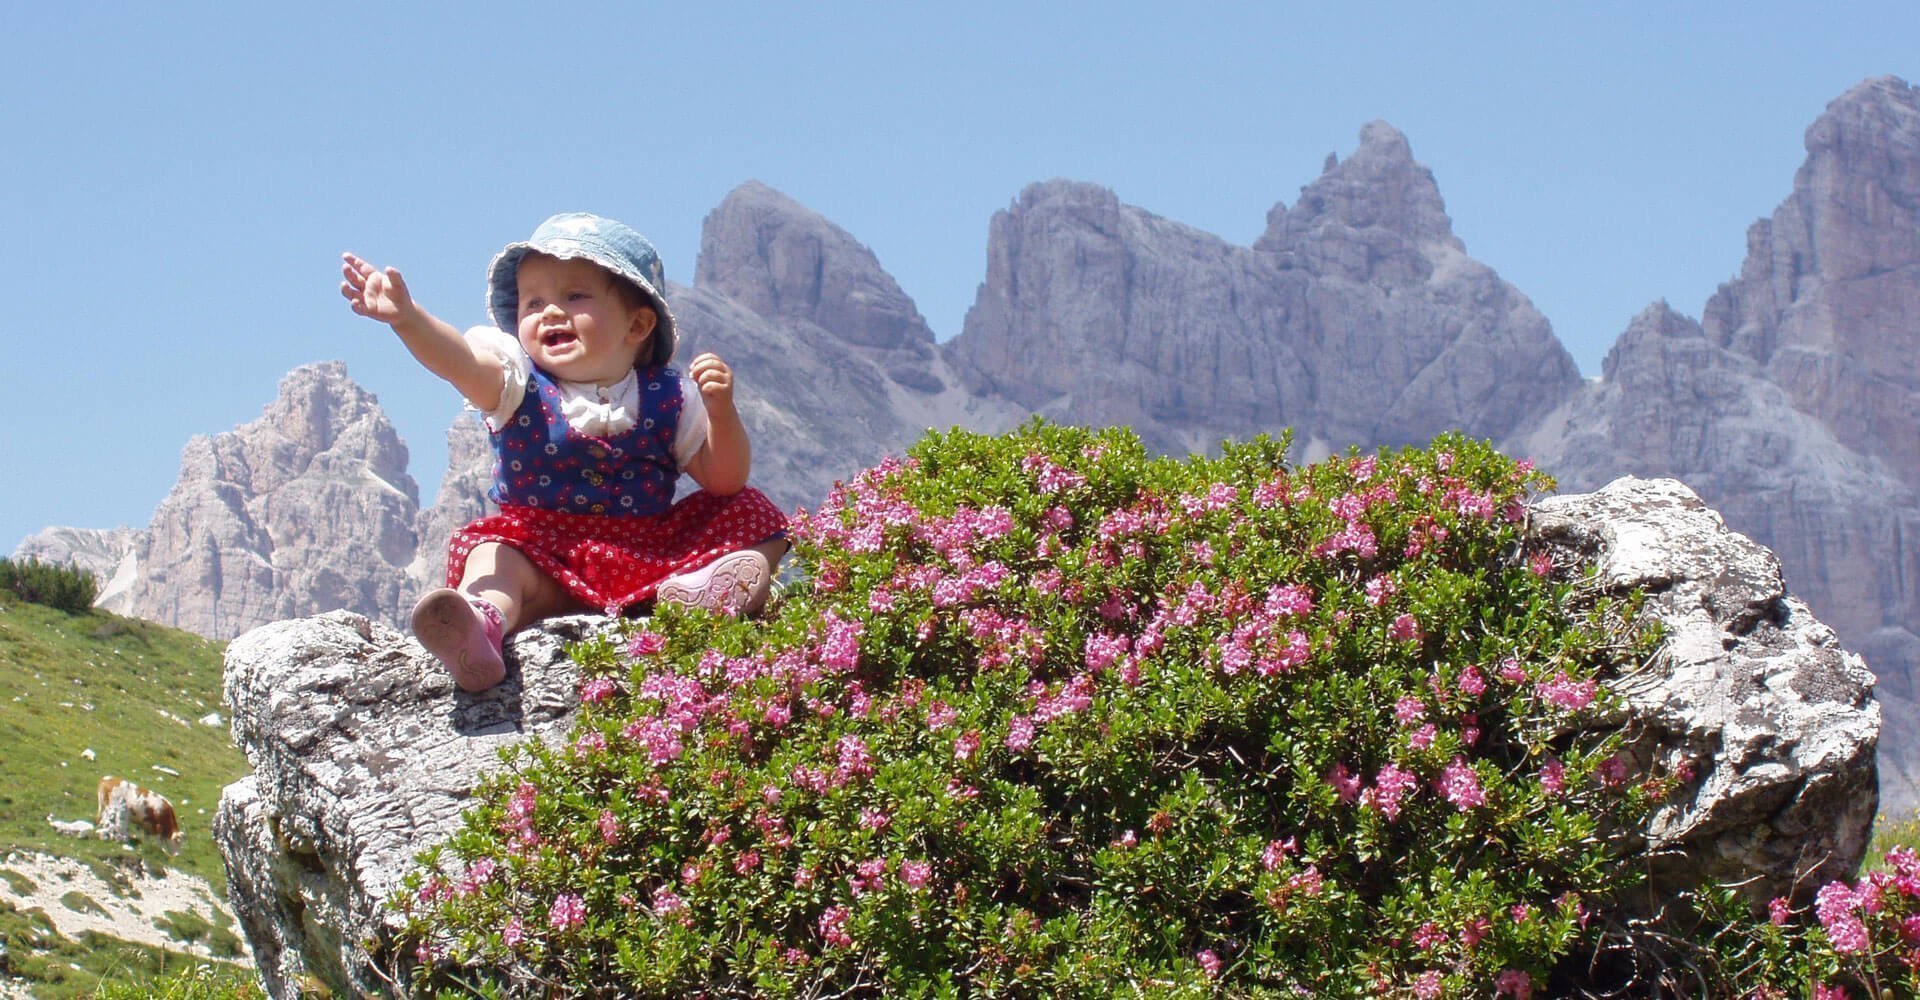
{"x": 464, "y": 634}
{"x": 736, "y": 584}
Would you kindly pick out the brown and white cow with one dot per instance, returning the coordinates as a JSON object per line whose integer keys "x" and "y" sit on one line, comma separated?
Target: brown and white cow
{"x": 126, "y": 807}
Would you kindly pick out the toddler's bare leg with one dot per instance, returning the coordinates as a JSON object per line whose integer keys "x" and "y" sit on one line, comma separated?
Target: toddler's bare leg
{"x": 502, "y": 575}
{"x": 500, "y": 592}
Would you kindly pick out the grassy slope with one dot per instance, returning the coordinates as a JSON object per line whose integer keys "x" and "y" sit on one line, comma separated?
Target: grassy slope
{"x": 132, "y": 691}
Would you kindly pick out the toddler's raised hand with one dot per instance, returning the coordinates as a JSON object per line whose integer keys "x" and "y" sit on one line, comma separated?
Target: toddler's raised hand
{"x": 715, "y": 380}
{"x": 375, "y": 294}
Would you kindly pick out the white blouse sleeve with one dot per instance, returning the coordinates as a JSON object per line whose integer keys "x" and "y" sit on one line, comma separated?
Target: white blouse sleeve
{"x": 513, "y": 386}
{"x": 691, "y": 435}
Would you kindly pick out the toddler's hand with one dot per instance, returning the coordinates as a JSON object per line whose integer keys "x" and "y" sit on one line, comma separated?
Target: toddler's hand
{"x": 714, "y": 378}
{"x": 375, "y": 294}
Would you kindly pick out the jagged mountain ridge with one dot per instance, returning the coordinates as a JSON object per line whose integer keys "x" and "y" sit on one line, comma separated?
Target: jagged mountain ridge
{"x": 1356, "y": 318}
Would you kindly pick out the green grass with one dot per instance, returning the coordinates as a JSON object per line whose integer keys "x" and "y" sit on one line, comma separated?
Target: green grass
{"x": 122, "y": 688}
{"x": 1890, "y": 832}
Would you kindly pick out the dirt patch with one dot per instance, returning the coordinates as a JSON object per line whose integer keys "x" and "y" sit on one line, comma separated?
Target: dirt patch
{"x": 132, "y": 907}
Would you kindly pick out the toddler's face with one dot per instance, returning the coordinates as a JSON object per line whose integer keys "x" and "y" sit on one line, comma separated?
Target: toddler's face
{"x": 573, "y": 322}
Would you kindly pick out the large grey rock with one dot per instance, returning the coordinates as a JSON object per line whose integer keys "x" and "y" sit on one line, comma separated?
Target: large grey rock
{"x": 363, "y": 752}
{"x": 1776, "y": 719}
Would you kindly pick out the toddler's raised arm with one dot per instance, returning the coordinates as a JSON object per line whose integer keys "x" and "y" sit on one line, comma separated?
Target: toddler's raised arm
{"x": 382, "y": 294}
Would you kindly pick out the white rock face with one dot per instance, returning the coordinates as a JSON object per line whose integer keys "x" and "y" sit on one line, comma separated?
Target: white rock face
{"x": 364, "y": 752}
{"x": 1776, "y": 719}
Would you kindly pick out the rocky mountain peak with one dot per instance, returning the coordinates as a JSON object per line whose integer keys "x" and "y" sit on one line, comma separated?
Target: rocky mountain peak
{"x": 1825, "y": 300}
{"x": 1380, "y": 195}
{"x": 323, "y": 415}
{"x": 786, "y": 262}
{"x": 1656, "y": 323}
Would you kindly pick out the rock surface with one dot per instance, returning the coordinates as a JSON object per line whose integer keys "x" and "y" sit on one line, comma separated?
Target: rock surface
{"x": 1776, "y": 720}
{"x": 363, "y": 751}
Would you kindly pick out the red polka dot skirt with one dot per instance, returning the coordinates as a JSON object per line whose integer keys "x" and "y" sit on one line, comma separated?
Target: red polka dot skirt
{"x": 613, "y": 563}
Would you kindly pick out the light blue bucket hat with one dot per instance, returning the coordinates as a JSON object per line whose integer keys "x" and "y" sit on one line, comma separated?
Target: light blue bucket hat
{"x": 612, "y": 245}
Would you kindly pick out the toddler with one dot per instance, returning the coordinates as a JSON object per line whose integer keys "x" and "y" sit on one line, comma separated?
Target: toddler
{"x": 590, "y": 430}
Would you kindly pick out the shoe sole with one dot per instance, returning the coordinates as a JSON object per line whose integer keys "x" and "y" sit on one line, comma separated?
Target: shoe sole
{"x": 733, "y": 584}
{"x": 450, "y": 629}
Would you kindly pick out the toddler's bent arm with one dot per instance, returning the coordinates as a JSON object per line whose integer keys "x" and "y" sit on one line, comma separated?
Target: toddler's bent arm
{"x": 382, "y": 294}
{"x": 722, "y": 464}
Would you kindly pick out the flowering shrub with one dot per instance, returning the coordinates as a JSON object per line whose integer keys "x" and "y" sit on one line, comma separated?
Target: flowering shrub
{"x": 1855, "y": 941}
{"x": 1054, "y": 717}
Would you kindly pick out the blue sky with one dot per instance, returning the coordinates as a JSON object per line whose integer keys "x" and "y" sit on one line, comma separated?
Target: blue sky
{"x": 179, "y": 182}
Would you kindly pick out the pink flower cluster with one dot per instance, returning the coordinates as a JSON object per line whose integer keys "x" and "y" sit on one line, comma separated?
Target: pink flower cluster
{"x": 1565, "y": 692}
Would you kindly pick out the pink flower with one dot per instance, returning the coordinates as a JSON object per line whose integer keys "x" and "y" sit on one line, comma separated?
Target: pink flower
{"x": 1276, "y": 851}
{"x": 916, "y": 874}
{"x": 1837, "y": 906}
{"x": 567, "y": 912}
{"x": 1822, "y": 991}
{"x": 1209, "y": 962}
{"x": 1779, "y": 911}
{"x": 1472, "y": 684}
{"x": 1553, "y": 777}
{"x": 666, "y": 903}
{"x": 1429, "y": 936}
{"x": 1380, "y": 590}
{"x": 1460, "y": 785}
{"x": 1427, "y": 986}
{"x": 646, "y": 643}
{"x": 1404, "y": 629}
{"x": 1514, "y": 983}
{"x": 1475, "y": 931}
{"x": 1511, "y": 671}
{"x": 1567, "y": 693}
{"x": 597, "y": 690}
{"x": 514, "y": 933}
{"x": 1019, "y": 733}
{"x": 609, "y": 826}
{"x": 1422, "y": 738}
{"x": 1344, "y": 782}
{"x": 875, "y": 819}
{"x": 964, "y": 747}
{"x": 1390, "y": 785}
{"x": 1409, "y": 710}
{"x": 833, "y": 927}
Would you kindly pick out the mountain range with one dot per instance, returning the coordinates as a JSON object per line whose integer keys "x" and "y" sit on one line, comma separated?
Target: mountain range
{"x": 1790, "y": 404}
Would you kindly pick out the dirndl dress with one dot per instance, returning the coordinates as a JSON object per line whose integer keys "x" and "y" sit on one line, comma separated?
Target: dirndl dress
{"x": 597, "y": 514}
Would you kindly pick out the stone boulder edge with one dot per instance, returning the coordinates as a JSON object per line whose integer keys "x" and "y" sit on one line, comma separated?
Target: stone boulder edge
{"x": 364, "y": 753}
{"x": 1777, "y": 722}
